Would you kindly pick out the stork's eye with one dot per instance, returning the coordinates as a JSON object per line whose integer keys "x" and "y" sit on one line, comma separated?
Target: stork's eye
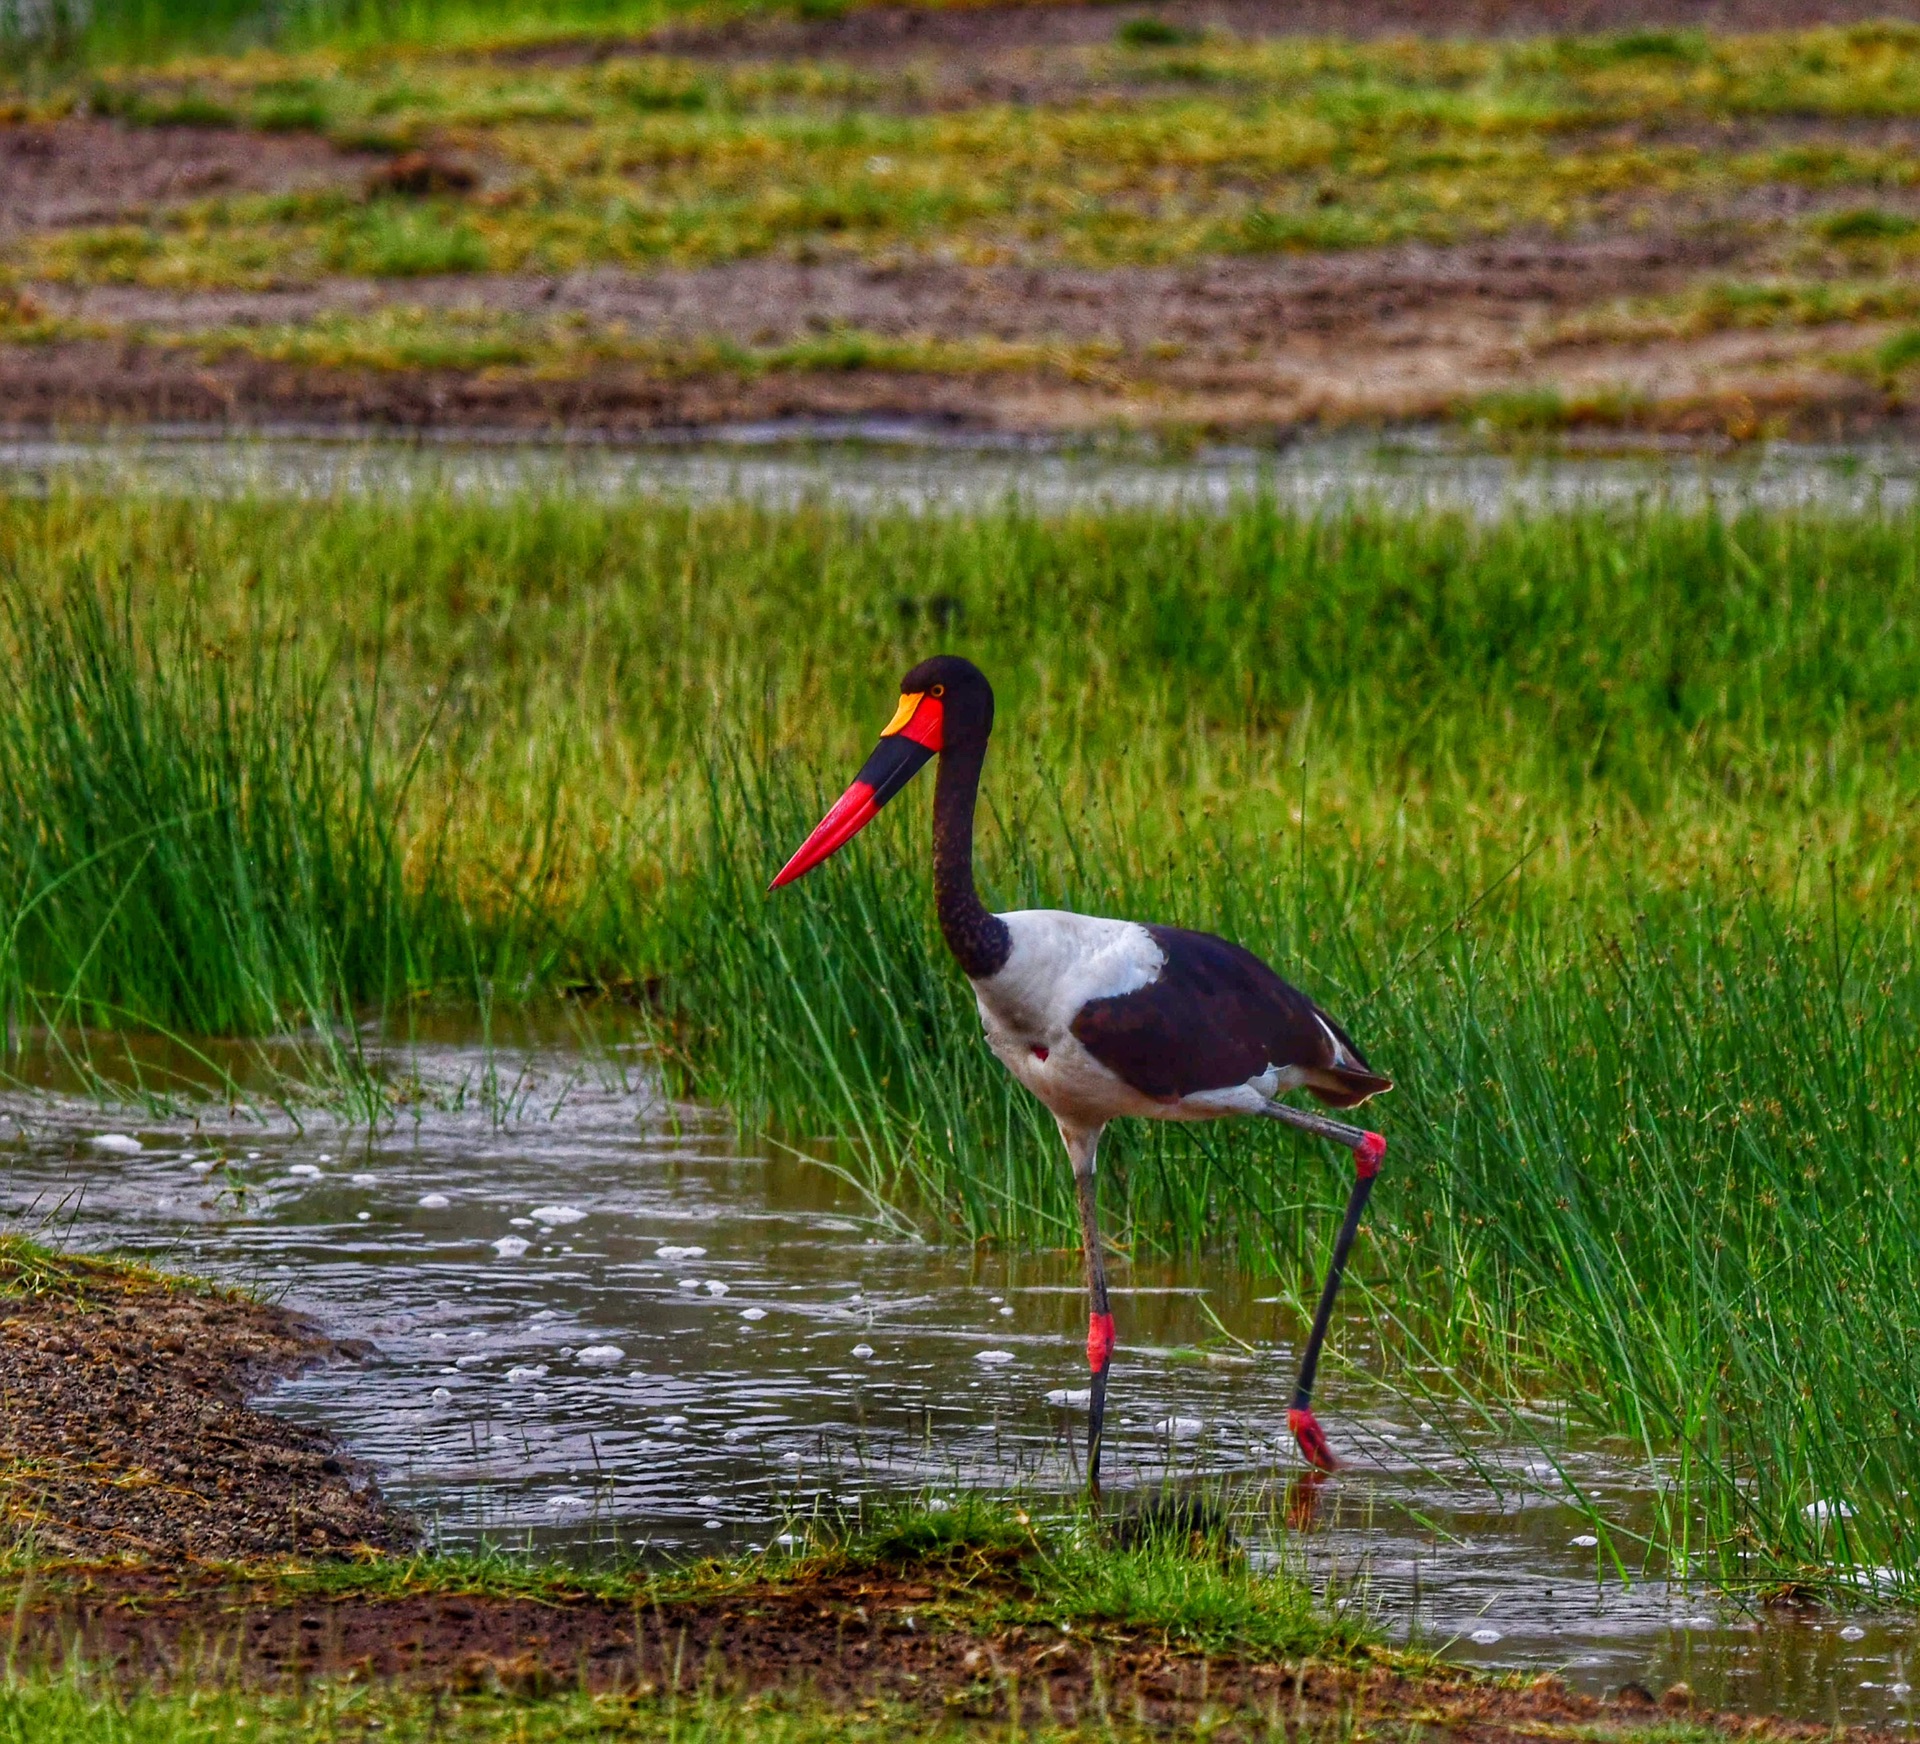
{"x": 938, "y": 690}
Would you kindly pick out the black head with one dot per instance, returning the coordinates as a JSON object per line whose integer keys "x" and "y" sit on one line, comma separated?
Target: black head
{"x": 964, "y": 695}
{"x": 946, "y": 704}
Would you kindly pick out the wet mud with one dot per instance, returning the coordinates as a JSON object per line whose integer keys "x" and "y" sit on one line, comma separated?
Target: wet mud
{"x": 845, "y": 1638}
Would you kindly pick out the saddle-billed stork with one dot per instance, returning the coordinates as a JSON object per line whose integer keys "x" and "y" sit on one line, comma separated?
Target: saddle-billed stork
{"x": 1102, "y": 1018}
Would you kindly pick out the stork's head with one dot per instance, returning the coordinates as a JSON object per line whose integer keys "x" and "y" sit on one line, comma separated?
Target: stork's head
{"x": 946, "y": 704}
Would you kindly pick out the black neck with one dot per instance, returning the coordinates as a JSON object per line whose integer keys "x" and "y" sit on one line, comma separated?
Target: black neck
{"x": 978, "y": 940}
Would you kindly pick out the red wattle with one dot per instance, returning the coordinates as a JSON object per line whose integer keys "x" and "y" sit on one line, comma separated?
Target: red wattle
{"x": 929, "y": 724}
{"x": 1099, "y": 1341}
{"x": 1368, "y": 1155}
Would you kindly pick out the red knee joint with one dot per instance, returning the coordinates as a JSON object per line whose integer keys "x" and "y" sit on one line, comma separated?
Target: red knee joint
{"x": 1315, "y": 1449}
{"x": 1368, "y": 1155}
{"x": 1099, "y": 1340}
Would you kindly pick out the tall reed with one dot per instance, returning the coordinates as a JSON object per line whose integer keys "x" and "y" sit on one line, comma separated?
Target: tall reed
{"x": 1595, "y": 828}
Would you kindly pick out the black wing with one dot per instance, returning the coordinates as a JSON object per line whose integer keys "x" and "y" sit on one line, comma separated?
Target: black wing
{"x": 1215, "y": 1017}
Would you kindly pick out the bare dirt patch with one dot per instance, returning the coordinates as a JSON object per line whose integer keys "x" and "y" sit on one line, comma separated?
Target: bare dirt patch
{"x": 1235, "y": 346}
{"x": 891, "y": 33}
{"x": 65, "y": 174}
{"x": 125, "y": 1431}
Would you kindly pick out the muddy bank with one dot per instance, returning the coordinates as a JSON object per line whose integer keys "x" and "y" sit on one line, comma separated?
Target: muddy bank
{"x": 1737, "y": 385}
{"x": 1241, "y": 346}
{"x": 844, "y": 1637}
{"x": 125, "y": 1430}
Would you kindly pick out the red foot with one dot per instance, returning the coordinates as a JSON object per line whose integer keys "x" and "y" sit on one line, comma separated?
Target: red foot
{"x": 1368, "y": 1155}
{"x": 1314, "y": 1447}
{"x": 1099, "y": 1340}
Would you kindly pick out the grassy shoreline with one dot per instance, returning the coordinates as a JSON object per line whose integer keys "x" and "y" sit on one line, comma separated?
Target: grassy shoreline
{"x": 1592, "y": 828}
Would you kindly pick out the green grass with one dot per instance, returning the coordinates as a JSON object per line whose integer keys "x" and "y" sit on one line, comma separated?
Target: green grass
{"x": 1127, "y": 154}
{"x": 1596, "y": 830}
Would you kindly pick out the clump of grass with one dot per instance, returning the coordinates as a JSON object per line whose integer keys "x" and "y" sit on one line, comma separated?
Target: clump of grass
{"x": 1151, "y": 31}
{"x": 1867, "y": 224}
{"x": 188, "y": 842}
{"x": 1899, "y": 354}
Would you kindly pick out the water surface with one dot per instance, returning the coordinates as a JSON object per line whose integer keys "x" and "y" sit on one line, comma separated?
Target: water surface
{"x": 875, "y": 467}
{"x": 601, "y": 1321}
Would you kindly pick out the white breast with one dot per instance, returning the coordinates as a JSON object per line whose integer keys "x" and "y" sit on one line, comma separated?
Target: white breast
{"x": 1058, "y": 963}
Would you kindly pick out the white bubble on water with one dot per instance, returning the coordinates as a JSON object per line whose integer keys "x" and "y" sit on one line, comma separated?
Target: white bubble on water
{"x": 753, "y": 1313}
{"x": 938, "y": 1504}
{"x": 1585, "y": 1541}
{"x": 1484, "y": 1637}
{"x": 602, "y": 1356}
{"x": 363, "y": 1216}
{"x": 1853, "y": 1632}
{"x": 673, "y": 1422}
{"x": 433, "y": 1201}
{"x": 253, "y": 1156}
{"x": 201, "y": 1168}
{"x": 472, "y": 1360}
{"x": 679, "y": 1253}
{"x": 554, "y": 1215}
{"x": 715, "y": 1287}
{"x": 1006, "y": 1310}
{"x": 706, "y": 1501}
{"x": 713, "y": 1525}
{"x": 863, "y": 1350}
{"x": 521, "y": 1373}
{"x": 511, "y": 1247}
{"x": 993, "y": 1359}
{"x": 305, "y": 1171}
{"x": 735, "y": 1435}
{"x": 441, "y": 1396}
{"x": 434, "y": 1337}
{"x": 120, "y": 1144}
{"x": 1180, "y": 1428}
{"x": 366, "y": 1180}
{"x": 1071, "y": 1398}
{"x": 689, "y": 1283}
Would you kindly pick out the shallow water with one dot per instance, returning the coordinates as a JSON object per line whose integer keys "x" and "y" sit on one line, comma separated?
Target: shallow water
{"x": 875, "y": 467}
{"x": 699, "y": 1344}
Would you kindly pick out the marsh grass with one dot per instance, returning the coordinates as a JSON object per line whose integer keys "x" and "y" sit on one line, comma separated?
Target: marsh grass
{"x": 1595, "y": 830}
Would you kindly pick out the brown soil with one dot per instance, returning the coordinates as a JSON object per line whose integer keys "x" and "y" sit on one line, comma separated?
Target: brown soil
{"x": 125, "y": 1432}
{"x": 80, "y": 172}
{"x": 890, "y": 33}
{"x": 1240, "y": 346}
{"x": 846, "y": 1638}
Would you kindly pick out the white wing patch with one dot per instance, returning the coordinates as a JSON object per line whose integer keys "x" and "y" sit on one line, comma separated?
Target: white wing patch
{"x": 1059, "y": 962}
{"x": 1340, "y": 1055}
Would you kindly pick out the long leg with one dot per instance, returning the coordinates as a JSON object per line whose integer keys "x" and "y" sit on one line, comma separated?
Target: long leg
{"x": 1083, "y": 1147}
{"x": 1368, "y": 1148}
